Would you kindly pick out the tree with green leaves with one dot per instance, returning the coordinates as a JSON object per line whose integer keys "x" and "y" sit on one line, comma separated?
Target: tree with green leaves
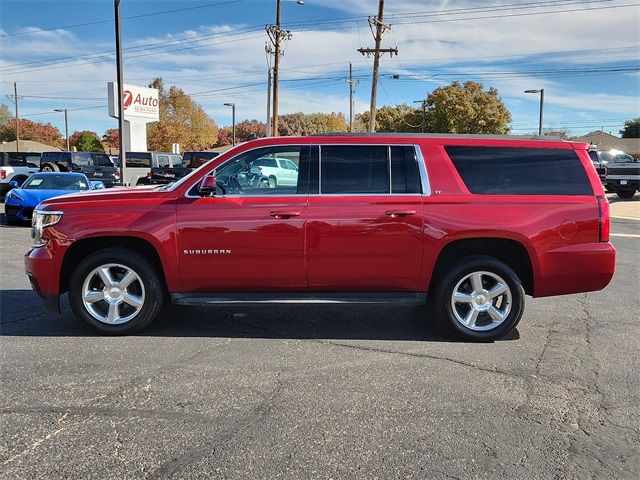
{"x": 631, "y": 128}
{"x": 89, "y": 142}
{"x": 5, "y": 114}
{"x": 467, "y": 108}
{"x": 310, "y": 123}
{"x": 400, "y": 118}
{"x": 182, "y": 121}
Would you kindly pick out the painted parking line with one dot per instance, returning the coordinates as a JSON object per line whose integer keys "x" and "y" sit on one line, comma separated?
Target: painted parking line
{"x": 625, "y": 235}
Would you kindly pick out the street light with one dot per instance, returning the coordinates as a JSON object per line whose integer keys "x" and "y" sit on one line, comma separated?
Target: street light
{"x": 233, "y": 119}
{"x": 541, "y": 92}
{"x": 66, "y": 125}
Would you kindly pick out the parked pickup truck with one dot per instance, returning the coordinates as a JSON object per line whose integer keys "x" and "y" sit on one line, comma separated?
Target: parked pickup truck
{"x": 623, "y": 178}
{"x": 470, "y": 224}
{"x": 95, "y": 165}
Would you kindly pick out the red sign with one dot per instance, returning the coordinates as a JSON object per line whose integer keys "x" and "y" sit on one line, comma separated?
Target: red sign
{"x": 127, "y": 98}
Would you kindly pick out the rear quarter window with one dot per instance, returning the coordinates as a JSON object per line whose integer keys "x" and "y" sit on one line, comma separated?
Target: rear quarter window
{"x": 520, "y": 171}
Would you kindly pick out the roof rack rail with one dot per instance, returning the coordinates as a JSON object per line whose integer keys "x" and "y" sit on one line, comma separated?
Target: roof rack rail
{"x": 439, "y": 135}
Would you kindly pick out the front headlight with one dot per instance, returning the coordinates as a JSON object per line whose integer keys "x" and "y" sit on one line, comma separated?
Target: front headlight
{"x": 41, "y": 220}
{"x": 14, "y": 195}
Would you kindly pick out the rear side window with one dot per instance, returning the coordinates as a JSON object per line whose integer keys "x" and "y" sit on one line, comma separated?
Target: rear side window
{"x": 265, "y": 162}
{"x": 354, "y": 169}
{"x": 405, "y": 176}
{"x": 520, "y": 171}
{"x": 51, "y": 157}
{"x": 138, "y": 160}
{"x": 102, "y": 160}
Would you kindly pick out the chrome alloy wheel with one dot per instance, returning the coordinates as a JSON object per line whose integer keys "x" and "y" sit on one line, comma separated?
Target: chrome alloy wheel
{"x": 481, "y": 301}
{"x": 113, "y": 293}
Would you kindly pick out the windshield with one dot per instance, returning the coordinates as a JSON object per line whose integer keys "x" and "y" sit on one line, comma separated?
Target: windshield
{"x": 617, "y": 157}
{"x": 56, "y": 182}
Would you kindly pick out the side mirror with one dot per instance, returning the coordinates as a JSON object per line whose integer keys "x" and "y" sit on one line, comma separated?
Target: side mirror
{"x": 97, "y": 185}
{"x": 207, "y": 187}
{"x": 14, "y": 184}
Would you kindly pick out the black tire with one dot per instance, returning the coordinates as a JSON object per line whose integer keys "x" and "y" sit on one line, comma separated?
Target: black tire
{"x": 20, "y": 179}
{"x": 464, "y": 267}
{"x": 273, "y": 182}
{"x": 626, "y": 193}
{"x": 149, "y": 282}
{"x": 50, "y": 167}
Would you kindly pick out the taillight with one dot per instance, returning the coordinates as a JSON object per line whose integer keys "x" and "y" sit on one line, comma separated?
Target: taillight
{"x": 604, "y": 218}
{"x": 149, "y": 175}
{"x": 117, "y": 175}
{"x": 3, "y": 174}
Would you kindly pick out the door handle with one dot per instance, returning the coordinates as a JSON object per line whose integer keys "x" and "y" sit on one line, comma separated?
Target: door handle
{"x": 399, "y": 213}
{"x": 278, "y": 214}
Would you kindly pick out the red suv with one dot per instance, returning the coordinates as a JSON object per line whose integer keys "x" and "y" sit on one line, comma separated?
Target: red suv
{"x": 468, "y": 223}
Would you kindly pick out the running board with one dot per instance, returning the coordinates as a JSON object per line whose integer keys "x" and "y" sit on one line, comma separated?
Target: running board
{"x": 201, "y": 299}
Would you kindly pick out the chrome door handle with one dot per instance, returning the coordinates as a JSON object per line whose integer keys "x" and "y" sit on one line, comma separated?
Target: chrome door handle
{"x": 399, "y": 213}
{"x": 277, "y": 214}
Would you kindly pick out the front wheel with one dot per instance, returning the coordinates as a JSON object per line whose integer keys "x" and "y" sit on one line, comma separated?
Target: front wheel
{"x": 479, "y": 298}
{"x": 626, "y": 193}
{"x": 116, "y": 291}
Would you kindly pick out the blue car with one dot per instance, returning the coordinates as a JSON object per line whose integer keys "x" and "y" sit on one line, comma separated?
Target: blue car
{"x": 22, "y": 200}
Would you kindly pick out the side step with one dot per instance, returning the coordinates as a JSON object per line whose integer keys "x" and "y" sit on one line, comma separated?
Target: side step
{"x": 250, "y": 298}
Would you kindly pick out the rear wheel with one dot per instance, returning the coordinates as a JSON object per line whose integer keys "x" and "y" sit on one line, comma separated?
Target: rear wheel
{"x": 116, "y": 291}
{"x": 626, "y": 193}
{"x": 479, "y": 298}
{"x": 273, "y": 183}
{"x": 50, "y": 167}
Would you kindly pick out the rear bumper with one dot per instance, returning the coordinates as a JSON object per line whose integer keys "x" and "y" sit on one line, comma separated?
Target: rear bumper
{"x": 575, "y": 268}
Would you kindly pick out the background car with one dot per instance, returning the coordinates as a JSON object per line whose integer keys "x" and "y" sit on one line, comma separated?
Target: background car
{"x": 277, "y": 171}
{"x": 95, "y": 165}
{"x": 21, "y": 201}
{"x": 17, "y": 166}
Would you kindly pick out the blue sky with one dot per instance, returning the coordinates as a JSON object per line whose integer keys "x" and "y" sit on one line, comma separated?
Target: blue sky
{"x": 585, "y": 54}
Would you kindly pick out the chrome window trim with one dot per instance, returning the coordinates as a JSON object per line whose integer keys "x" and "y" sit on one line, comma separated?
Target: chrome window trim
{"x": 422, "y": 167}
{"x": 424, "y": 178}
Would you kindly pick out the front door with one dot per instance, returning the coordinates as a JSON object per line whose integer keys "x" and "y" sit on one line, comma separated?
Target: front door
{"x": 365, "y": 227}
{"x": 248, "y": 237}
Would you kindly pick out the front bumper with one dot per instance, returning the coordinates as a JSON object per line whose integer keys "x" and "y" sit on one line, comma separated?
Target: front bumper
{"x": 43, "y": 271}
{"x": 19, "y": 213}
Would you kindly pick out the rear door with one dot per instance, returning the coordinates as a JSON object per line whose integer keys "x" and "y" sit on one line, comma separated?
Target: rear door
{"x": 248, "y": 237}
{"x": 364, "y": 231}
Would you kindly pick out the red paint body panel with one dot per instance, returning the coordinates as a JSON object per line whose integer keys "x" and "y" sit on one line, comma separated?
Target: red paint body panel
{"x": 338, "y": 243}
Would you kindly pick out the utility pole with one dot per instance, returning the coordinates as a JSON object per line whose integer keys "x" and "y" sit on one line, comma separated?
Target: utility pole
{"x": 352, "y": 86}
{"x": 123, "y": 155}
{"x": 14, "y": 98}
{"x": 377, "y": 53}
{"x": 268, "y": 51}
{"x": 277, "y": 36}
{"x": 541, "y": 92}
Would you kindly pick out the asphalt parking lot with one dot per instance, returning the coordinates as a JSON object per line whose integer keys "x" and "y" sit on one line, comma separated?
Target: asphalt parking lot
{"x": 323, "y": 392}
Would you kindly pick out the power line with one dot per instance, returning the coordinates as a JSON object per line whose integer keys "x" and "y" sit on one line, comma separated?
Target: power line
{"x": 157, "y": 45}
{"x": 97, "y": 22}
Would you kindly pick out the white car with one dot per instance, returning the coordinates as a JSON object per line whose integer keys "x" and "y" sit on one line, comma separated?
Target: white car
{"x": 277, "y": 171}
{"x": 17, "y": 167}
